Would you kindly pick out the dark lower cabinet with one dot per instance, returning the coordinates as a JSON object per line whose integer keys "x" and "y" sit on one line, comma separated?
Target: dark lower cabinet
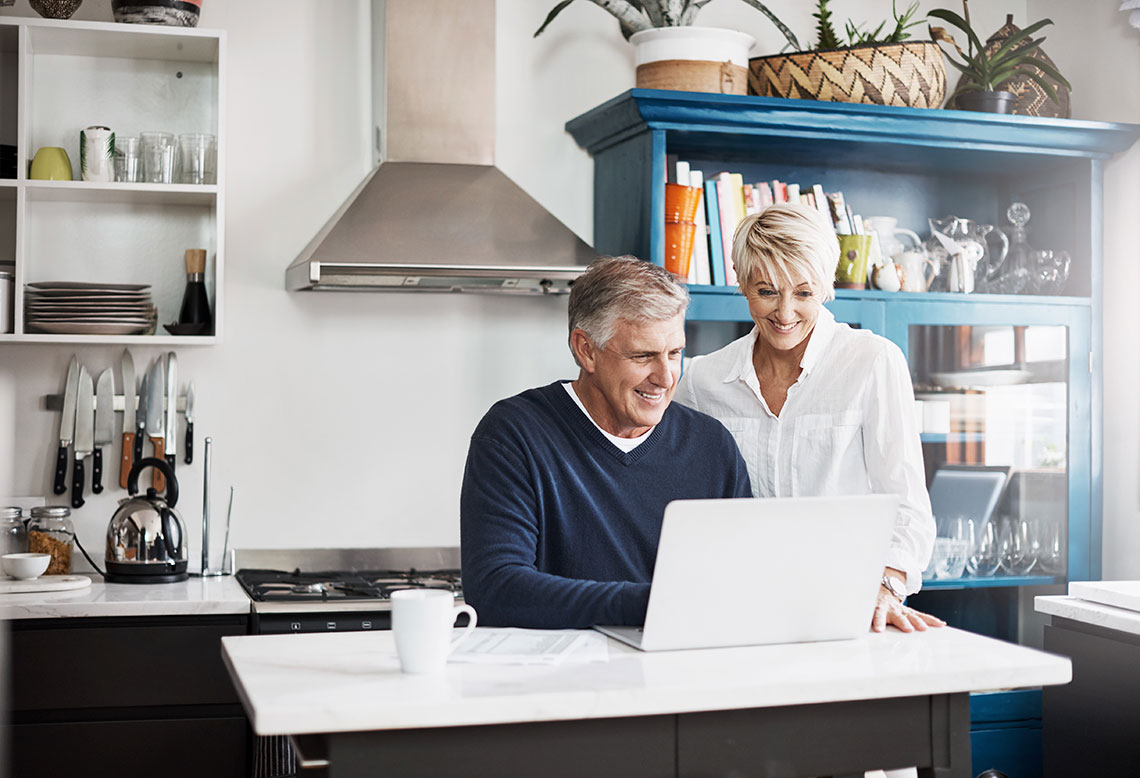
{"x": 1091, "y": 724}
{"x": 138, "y": 696}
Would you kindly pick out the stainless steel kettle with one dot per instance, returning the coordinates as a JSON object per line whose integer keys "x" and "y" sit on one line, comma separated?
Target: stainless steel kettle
{"x": 146, "y": 539}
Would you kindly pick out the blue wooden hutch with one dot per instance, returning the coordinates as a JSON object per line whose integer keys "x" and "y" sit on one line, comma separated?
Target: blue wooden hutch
{"x": 913, "y": 164}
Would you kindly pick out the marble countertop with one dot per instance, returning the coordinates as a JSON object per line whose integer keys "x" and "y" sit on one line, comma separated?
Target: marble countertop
{"x": 1094, "y": 613}
{"x": 313, "y": 683}
{"x": 194, "y": 597}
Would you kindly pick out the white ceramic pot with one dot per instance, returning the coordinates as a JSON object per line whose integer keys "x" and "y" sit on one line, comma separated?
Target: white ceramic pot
{"x": 693, "y": 59}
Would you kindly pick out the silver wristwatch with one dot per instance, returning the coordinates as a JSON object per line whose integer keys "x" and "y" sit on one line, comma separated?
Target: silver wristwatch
{"x": 894, "y": 586}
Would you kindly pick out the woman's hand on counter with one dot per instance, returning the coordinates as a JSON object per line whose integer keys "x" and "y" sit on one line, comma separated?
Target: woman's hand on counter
{"x": 889, "y": 609}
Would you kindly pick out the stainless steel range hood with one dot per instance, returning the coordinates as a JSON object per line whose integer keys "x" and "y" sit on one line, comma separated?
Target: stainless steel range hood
{"x": 437, "y": 215}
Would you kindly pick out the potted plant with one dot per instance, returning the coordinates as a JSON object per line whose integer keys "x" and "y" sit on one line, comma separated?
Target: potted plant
{"x": 984, "y": 69}
{"x": 880, "y": 66}
{"x": 673, "y": 53}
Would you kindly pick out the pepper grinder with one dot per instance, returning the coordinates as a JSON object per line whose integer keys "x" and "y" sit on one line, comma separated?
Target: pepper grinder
{"x": 195, "y": 304}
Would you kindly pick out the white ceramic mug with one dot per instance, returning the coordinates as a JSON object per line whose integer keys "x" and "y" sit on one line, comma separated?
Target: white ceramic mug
{"x": 423, "y": 622}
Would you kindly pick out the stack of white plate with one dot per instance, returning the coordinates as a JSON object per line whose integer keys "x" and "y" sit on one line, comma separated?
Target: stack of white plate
{"x": 76, "y": 308}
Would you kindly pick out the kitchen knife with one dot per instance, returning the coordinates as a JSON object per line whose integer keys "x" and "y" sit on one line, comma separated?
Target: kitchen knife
{"x": 140, "y": 421}
{"x": 66, "y": 425}
{"x": 170, "y": 426}
{"x": 190, "y": 423}
{"x": 84, "y": 434}
{"x": 127, "y": 373}
{"x": 104, "y": 425}
{"x": 155, "y": 414}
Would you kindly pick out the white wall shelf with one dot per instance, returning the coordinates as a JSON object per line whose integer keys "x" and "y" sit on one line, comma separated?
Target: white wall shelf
{"x": 58, "y": 77}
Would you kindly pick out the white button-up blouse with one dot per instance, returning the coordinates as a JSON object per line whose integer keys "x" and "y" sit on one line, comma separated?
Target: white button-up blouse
{"x": 847, "y": 427}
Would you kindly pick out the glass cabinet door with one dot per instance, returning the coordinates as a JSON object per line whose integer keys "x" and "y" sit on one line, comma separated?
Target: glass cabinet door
{"x": 994, "y": 406}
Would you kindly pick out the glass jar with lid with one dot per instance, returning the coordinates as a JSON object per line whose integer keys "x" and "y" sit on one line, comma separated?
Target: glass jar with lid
{"x": 51, "y": 532}
{"x": 13, "y": 536}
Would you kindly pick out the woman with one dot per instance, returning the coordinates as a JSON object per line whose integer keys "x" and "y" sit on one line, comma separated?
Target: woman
{"x": 816, "y": 407}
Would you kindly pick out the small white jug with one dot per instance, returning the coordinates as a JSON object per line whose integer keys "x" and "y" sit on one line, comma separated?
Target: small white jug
{"x": 918, "y": 271}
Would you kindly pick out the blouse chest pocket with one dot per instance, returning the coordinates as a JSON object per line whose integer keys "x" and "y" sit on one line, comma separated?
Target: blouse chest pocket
{"x": 823, "y": 446}
{"x": 747, "y": 432}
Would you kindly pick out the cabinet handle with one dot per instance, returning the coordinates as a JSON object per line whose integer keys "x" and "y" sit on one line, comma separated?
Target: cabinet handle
{"x": 317, "y": 756}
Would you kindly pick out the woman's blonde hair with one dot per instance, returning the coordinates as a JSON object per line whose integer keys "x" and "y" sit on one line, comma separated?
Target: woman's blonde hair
{"x": 785, "y": 243}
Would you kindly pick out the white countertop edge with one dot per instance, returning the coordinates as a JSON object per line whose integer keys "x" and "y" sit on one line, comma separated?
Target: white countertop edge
{"x": 1107, "y": 616}
{"x": 379, "y": 697}
{"x": 193, "y": 597}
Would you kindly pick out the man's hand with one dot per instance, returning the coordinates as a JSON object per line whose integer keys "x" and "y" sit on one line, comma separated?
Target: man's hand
{"x": 890, "y": 610}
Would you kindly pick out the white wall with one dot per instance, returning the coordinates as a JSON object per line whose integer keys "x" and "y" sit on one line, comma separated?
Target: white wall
{"x": 1104, "y": 65}
{"x": 343, "y": 419}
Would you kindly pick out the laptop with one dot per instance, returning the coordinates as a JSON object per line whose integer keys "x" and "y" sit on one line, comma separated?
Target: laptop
{"x": 744, "y": 572}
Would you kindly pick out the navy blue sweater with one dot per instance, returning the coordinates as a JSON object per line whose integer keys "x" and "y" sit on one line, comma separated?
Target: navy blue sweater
{"x": 559, "y": 527}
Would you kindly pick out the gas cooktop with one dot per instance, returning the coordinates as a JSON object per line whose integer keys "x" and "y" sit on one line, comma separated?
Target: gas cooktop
{"x": 299, "y": 580}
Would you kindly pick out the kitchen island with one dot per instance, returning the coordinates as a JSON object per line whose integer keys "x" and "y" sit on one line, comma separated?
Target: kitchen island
{"x": 1089, "y": 726}
{"x": 837, "y": 708}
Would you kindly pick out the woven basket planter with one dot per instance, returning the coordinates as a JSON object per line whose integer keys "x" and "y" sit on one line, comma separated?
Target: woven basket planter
{"x": 910, "y": 73}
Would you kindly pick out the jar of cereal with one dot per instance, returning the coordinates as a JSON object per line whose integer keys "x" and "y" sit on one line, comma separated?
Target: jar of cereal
{"x": 51, "y": 532}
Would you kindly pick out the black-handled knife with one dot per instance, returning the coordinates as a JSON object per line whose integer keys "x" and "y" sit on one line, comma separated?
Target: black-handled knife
{"x": 97, "y": 470}
{"x": 104, "y": 425}
{"x": 84, "y": 434}
{"x": 66, "y": 426}
{"x": 190, "y": 423}
{"x": 77, "y": 483}
{"x": 60, "y": 485}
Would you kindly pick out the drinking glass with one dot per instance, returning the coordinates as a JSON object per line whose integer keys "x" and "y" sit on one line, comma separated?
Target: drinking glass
{"x": 198, "y": 155}
{"x": 1049, "y": 542}
{"x": 1016, "y": 546}
{"x": 984, "y": 558}
{"x": 160, "y": 157}
{"x": 128, "y": 161}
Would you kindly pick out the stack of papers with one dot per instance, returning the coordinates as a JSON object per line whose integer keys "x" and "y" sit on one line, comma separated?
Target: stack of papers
{"x": 511, "y": 645}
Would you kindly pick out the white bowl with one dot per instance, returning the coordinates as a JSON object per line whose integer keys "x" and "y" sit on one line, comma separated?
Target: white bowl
{"x": 25, "y": 566}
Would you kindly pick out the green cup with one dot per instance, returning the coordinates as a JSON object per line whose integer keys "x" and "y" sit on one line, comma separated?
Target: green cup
{"x": 51, "y": 163}
{"x": 854, "y": 256}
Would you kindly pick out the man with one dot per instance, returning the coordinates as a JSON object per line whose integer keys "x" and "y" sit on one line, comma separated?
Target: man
{"x": 566, "y": 485}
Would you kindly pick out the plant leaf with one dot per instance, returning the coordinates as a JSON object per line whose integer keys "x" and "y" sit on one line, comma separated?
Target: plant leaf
{"x": 1014, "y": 40}
{"x": 691, "y": 9}
{"x": 952, "y": 18}
{"x": 550, "y": 16}
{"x": 759, "y": 6}
{"x": 940, "y": 35}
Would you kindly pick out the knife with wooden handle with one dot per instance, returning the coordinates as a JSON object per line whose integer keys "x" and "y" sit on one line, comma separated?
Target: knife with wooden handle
{"x": 66, "y": 425}
{"x": 155, "y": 416}
{"x": 127, "y": 372}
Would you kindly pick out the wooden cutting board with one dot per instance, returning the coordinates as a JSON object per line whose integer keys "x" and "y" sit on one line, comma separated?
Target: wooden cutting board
{"x": 45, "y": 583}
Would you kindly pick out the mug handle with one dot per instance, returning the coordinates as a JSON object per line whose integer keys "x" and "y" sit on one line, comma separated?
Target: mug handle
{"x": 466, "y": 630}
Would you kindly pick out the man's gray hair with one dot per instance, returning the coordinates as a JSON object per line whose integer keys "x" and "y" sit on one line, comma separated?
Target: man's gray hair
{"x": 625, "y": 288}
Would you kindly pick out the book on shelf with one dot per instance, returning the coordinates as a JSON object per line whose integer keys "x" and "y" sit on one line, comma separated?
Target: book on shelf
{"x": 765, "y": 194}
{"x": 730, "y": 194}
{"x": 794, "y": 193}
{"x": 716, "y": 250}
{"x": 699, "y": 270}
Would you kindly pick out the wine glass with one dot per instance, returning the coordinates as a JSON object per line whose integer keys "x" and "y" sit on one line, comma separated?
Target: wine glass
{"x": 984, "y": 558}
{"x": 1016, "y": 547}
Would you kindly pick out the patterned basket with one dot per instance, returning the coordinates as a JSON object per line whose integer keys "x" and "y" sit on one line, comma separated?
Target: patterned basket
{"x": 910, "y": 73}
